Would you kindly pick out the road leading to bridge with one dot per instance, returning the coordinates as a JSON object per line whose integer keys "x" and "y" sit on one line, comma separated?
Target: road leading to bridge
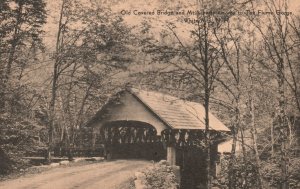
{"x": 104, "y": 175}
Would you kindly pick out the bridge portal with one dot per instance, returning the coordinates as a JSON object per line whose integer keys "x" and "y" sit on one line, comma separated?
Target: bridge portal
{"x": 150, "y": 125}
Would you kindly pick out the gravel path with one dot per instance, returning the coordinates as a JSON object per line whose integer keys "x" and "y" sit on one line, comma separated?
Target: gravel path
{"x": 103, "y": 175}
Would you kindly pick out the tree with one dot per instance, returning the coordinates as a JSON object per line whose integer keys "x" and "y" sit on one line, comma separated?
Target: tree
{"x": 21, "y": 27}
{"x": 85, "y": 60}
{"x": 20, "y": 37}
{"x": 279, "y": 48}
{"x": 197, "y": 62}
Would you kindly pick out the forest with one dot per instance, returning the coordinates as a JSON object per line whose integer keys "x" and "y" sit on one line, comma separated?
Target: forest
{"x": 61, "y": 60}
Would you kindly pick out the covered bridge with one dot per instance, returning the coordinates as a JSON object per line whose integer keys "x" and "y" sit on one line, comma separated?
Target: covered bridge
{"x": 142, "y": 124}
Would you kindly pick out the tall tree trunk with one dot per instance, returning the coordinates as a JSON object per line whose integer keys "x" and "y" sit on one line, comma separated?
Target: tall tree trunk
{"x": 52, "y": 114}
{"x": 15, "y": 40}
{"x": 11, "y": 56}
{"x": 253, "y": 125}
{"x": 206, "y": 106}
{"x": 272, "y": 140}
{"x": 207, "y": 139}
{"x": 55, "y": 83}
{"x": 282, "y": 125}
{"x": 243, "y": 144}
{"x": 235, "y": 131}
{"x": 231, "y": 177}
{"x": 254, "y": 138}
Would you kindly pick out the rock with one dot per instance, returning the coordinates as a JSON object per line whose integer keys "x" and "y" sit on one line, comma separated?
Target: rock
{"x": 40, "y": 166}
{"x": 173, "y": 186}
{"x": 78, "y": 159}
{"x": 140, "y": 176}
{"x": 169, "y": 169}
{"x": 64, "y": 162}
{"x": 97, "y": 158}
{"x": 54, "y": 164}
{"x": 223, "y": 180}
{"x": 139, "y": 184}
{"x": 163, "y": 162}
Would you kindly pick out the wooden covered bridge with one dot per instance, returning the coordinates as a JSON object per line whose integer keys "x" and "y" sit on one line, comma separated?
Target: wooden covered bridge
{"x": 150, "y": 125}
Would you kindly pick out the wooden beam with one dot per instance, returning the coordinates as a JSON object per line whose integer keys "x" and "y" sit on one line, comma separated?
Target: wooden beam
{"x": 171, "y": 155}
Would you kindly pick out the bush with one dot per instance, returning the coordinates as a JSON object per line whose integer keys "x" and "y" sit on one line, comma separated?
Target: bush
{"x": 272, "y": 173}
{"x": 244, "y": 172}
{"x": 246, "y": 175}
{"x": 17, "y": 138}
{"x": 160, "y": 176}
{"x": 5, "y": 163}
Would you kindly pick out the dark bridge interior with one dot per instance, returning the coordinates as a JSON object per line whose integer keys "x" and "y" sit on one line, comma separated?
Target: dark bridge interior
{"x": 132, "y": 139}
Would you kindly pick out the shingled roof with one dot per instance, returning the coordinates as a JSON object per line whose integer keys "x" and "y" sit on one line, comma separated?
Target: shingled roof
{"x": 177, "y": 113}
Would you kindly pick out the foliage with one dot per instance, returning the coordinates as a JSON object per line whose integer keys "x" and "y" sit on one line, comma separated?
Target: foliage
{"x": 253, "y": 70}
{"x": 160, "y": 176}
{"x": 244, "y": 171}
{"x": 272, "y": 173}
{"x": 20, "y": 37}
{"x": 87, "y": 61}
{"x": 20, "y": 34}
{"x": 20, "y": 136}
{"x": 247, "y": 175}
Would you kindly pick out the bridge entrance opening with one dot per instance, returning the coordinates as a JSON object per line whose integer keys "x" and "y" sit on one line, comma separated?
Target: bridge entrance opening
{"x": 132, "y": 140}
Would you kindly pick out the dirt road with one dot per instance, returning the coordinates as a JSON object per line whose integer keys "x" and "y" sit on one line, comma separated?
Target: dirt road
{"x": 103, "y": 175}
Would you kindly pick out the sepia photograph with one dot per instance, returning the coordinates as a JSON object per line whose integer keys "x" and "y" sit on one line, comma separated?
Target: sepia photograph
{"x": 152, "y": 94}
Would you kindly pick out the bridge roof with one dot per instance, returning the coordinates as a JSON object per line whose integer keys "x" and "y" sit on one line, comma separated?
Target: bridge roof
{"x": 177, "y": 113}
{"x": 157, "y": 109}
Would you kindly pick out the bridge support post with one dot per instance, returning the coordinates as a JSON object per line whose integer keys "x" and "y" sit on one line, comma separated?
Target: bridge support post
{"x": 171, "y": 155}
